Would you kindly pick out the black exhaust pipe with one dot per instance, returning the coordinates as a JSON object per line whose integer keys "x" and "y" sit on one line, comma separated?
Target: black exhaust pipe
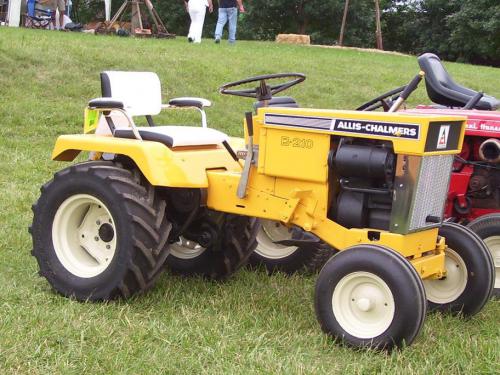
{"x": 490, "y": 150}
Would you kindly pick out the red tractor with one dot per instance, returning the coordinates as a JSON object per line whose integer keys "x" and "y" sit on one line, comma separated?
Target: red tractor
{"x": 474, "y": 193}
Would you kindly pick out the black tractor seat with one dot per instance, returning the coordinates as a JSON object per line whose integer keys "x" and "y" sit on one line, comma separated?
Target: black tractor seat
{"x": 176, "y": 136}
{"x": 443, "y": 90}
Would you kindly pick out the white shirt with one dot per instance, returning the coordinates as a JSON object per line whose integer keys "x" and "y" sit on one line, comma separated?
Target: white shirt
{"x": 198, "y": 3}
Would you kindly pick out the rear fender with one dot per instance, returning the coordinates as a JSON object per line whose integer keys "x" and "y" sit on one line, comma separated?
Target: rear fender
{"x": 183, "y": 167}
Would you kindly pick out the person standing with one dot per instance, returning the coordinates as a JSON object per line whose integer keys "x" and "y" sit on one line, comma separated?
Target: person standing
{"x": 228, "y": 11}
{"x": 197, "y": 10}
{"x": 54, "y": 6}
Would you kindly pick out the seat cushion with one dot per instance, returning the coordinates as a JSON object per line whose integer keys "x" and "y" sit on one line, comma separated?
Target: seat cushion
{"x": 175, "y": 136}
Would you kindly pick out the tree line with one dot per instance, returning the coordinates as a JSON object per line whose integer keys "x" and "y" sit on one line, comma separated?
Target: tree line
{"x": 456, "y": 30}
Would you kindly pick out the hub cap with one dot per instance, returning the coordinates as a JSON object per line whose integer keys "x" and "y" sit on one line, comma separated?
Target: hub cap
{"x": 449, "y": 288}
{"x": 363, "y": 305}
{"x": 270, "y": 231}
{"x": 84, "y": 235}
{"x": 493, "y": 244}
{"x": 186, "y": 249}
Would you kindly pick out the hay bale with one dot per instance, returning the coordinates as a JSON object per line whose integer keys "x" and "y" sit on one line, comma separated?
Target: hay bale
{"x": 293, "y": 39}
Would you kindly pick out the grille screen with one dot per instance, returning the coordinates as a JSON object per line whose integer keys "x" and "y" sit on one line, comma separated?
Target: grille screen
{"x": 432, "y": 189}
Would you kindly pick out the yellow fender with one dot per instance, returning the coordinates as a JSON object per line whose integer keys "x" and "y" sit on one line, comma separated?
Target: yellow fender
{"x": 181, "y": 167}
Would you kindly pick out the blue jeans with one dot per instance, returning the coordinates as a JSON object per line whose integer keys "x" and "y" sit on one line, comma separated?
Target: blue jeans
{"x": 227, "y": 14}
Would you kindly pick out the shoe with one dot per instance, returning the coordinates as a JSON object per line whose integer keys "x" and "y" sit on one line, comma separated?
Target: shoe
{"x": 190, "y": 40}
{"x": 217, "y": 41}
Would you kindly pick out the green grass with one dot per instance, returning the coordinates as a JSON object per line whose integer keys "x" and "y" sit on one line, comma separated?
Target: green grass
{"x": 252, "y": 323}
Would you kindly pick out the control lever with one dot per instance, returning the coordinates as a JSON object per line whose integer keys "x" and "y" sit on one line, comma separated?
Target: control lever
{"x": 242, "y": 186}
{"x": 407, "y": 91}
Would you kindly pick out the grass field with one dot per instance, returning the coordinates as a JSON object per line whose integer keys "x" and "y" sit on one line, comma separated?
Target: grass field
{"x": 251, "y": 324}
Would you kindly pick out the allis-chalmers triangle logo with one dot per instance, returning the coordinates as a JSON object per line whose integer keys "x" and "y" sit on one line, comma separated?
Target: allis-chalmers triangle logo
{"x": 442, "y": 142}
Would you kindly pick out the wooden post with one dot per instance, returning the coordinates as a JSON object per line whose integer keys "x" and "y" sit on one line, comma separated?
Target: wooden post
{"x": 342, "y": 28}
{"x": 136, "y": 22}
{"x": 378, "y": 32}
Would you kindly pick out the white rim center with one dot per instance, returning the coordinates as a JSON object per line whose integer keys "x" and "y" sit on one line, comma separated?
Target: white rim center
{"x": 449, "y": 288}
{"x": 269, "y": 232}
{"x": 186, "y": 249}
{"x": 493, "y": 244}
{"x": 363, "y": 304}
{"x": 84, "y": 235}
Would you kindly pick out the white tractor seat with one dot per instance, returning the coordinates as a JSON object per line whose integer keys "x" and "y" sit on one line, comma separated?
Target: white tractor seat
{"x": 176, "y": 136}
{"x": 129, "y": 94}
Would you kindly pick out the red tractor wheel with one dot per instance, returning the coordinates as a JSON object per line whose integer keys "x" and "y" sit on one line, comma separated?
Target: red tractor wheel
{"x": 488, "y": 228}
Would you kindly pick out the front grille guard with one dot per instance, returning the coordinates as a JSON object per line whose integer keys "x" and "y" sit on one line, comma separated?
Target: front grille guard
{"x": 421, "y": 186}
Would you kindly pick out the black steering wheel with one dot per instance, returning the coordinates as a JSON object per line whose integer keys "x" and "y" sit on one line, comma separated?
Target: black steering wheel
{"x": 385, "y": 100}
{"x": 263, "y": 91}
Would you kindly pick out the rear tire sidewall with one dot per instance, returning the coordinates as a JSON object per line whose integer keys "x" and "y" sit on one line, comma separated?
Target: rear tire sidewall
{"x": 190, "y": 266}
{"x": 63, "y": 280}
{"x": 222, "y": 260}
{"x": 401, "y": 278}
{"x": 307, "y": 259}
{"x": 294, "y": 262}
{"x": 479, "y": 266}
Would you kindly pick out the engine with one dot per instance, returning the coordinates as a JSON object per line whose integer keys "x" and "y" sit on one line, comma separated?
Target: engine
{"x": 365, "y": 173}
{"x": 483, "y": 154}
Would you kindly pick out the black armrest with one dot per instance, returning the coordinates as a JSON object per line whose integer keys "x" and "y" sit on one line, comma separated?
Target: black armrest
{"x": 189, "y": 102}
{"x": 105, "y": 103}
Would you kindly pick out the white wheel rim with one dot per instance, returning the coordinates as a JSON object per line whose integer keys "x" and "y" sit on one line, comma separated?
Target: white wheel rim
{"x": 84, "y": 235}
{"x": 449, "y": 288}
{"x": 186, "y": 249}
{"x": 363, "y": 305}
{"x": 269, "y": 232}
{"x": 493, "y": 244}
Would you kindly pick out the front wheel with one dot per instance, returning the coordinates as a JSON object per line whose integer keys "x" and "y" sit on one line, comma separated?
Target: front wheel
{"x": 469, "y": 278}
{"x": 487, "y": 227}
{"x": 99, "y": 232}
{"x": 287, "y": 259}
{"x": 370, "y": 296}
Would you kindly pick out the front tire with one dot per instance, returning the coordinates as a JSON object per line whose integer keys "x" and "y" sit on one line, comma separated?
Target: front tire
{"x": 288, "y": 259}
{"x": 468, "y": 283}
{"x": 99, "y": 232}
{"x": 487, "y": 227}
{"x": 370, "y": 296}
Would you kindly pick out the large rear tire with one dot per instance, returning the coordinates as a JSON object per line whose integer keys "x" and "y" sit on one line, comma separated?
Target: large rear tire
{"x": 370, "y": 296}
{"x": 469, "y": 279}
{"x": 99, "y": 232}
{"x": 487, "y": 227}
{"x": 230, "y": 251}
{"x": 288, "y": 259}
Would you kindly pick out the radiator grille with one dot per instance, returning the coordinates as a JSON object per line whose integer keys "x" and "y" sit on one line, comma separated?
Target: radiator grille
{"x": 432, "y": 189}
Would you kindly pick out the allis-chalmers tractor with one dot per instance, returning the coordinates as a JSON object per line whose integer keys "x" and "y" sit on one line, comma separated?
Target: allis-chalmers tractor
{"x": 371, "y": 185}
{"x": 474, "y": 193}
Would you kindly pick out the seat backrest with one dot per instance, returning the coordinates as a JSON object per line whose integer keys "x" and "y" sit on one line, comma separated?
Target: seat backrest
{"x": 139, "y": 91}
{"x": 442, "y": 89}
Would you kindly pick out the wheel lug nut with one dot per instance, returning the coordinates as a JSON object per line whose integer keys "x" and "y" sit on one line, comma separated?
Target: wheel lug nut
{"x": 108, "y": 247}
{"x": 98, "y": 222}
{"x": 96, "y": 238}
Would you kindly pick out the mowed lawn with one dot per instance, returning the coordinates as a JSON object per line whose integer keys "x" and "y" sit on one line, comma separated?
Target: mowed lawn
{"x": 251, "y": 324}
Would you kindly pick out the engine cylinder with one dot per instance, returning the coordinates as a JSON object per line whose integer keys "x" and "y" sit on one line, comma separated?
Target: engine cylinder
{"x": 490, "y": 150}
{"x": 363, "y": 161}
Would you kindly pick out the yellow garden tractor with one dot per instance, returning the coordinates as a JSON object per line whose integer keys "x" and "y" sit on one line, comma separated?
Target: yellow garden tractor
{"x": 372, "y": 186}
